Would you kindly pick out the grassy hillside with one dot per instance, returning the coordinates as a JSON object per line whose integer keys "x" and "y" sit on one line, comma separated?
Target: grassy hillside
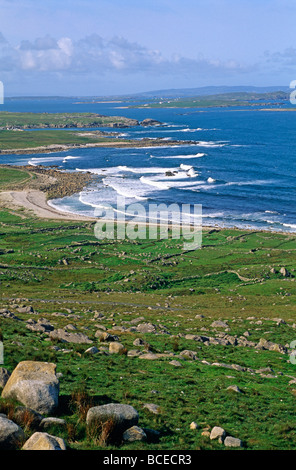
{"x": 81, "y": 284}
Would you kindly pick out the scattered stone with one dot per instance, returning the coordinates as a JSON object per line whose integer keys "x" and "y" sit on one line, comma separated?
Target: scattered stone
{"x": 116, "y": 348}
{"x": 149, "y": 356}
{"x": 52, "y": 421}
{"x": 234, "y": 388}
{"x": 232, "y": 442}
{"x": 11, "y": 435}
{"x": 136, "y": 320}
{"x": 284, "y": 272}
{"x": 264, "y": 370}
{"x": 264, "y": 344}
{"x": 134, "y": 353}
{"x": 104, "y": 336}
{"x": 139, "y": 342}
{"x": 35, "y": 385}
{"x": 134, "y": 434}
{"x": 146, "y": 328}
{"x": 92, "y": 350}
{"x": 70, "y": 327}
{"x": 26, "y": 417}
{"x": 66, "y": 337}
{"x": 42, "y": 326}
{"x": 280, "y": 321}
{"x": 189, "y": 354}
{"x": 121, "y": 416}
{"x": 218, "y": 433}
{"x": 4, "y": 376}
{"x": 155, "y": 409}
{"x": 175, "y": 363}
{"x": 44, "y": 441}
{"x": 194, "y": 425}
{"x": 28, "y": 309}
{"x": 219, "y": 324}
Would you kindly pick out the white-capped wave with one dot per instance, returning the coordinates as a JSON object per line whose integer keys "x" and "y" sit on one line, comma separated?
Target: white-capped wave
{"x": 191, "y": 130}
{"x": 179, "y": 157}
{"x": 129, "y": 188}
{"x": 185, "y": 167}
{"x": 168, "y": 183}
{"x": 293, "y": 226}
{"x": 69, "y": 157}
{"x": 151, "y": 170}
{"x": 35, "y": 161}
{"x": 211, "y": 144}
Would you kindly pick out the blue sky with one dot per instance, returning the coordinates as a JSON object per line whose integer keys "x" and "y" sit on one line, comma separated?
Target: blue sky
{"x": 105, "y": 47}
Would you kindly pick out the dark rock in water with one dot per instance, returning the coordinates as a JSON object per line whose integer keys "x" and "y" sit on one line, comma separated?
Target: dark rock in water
{"x": 150, "y": 122}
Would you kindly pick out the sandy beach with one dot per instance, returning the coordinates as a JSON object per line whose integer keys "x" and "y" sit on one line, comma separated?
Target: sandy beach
{"x": 35, "y": 201}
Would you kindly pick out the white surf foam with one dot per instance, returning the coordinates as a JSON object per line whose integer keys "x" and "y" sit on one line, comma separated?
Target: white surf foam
{"x": 151, "y": 170}
{"x": 69, "y": 157}
{"x": 169, "y": 183}
{"x": 185, "y": 167}
{"x": 293, "y": 226}
{"x": 35, "y": 161}
{"x": 181, "y": 157}
{"x": 127, "y": 187}
{"x": 211, "y": 144}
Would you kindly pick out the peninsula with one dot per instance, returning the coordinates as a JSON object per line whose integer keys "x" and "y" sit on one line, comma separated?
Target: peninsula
{"x": 27, "y": 133}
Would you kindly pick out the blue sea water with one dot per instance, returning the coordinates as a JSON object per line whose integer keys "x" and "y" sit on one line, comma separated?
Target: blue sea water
{"x": 240, "y": 167}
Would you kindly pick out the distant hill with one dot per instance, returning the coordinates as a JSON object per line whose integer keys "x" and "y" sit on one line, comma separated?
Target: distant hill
{"x": 210, "y": 90}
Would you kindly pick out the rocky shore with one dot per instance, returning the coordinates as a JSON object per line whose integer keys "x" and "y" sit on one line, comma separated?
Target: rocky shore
{"x": 53, "y": 182}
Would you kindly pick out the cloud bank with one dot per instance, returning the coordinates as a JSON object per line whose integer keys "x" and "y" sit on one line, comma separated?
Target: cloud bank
{"x": 94, "y": 54}
{"x": 116, "y": 65}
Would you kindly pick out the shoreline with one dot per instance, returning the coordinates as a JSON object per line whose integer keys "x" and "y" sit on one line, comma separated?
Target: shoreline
{"x": 53, "y": 148}
{"x": 36, "y": 201}
{"x": 48, "y": 183}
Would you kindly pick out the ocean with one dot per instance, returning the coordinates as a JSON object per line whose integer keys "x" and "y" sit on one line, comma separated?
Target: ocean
{"x": 241, "y": 168}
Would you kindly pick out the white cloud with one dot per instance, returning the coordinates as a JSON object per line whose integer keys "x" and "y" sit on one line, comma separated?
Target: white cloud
{"x": 94, "y": 54}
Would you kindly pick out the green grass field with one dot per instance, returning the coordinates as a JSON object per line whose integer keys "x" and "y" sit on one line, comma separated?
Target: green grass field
{"x": 59, "y": 120}
{"x": 10, "y": 176}
{"x": 31, "y": 139}
{"x": 235, "y": 277}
